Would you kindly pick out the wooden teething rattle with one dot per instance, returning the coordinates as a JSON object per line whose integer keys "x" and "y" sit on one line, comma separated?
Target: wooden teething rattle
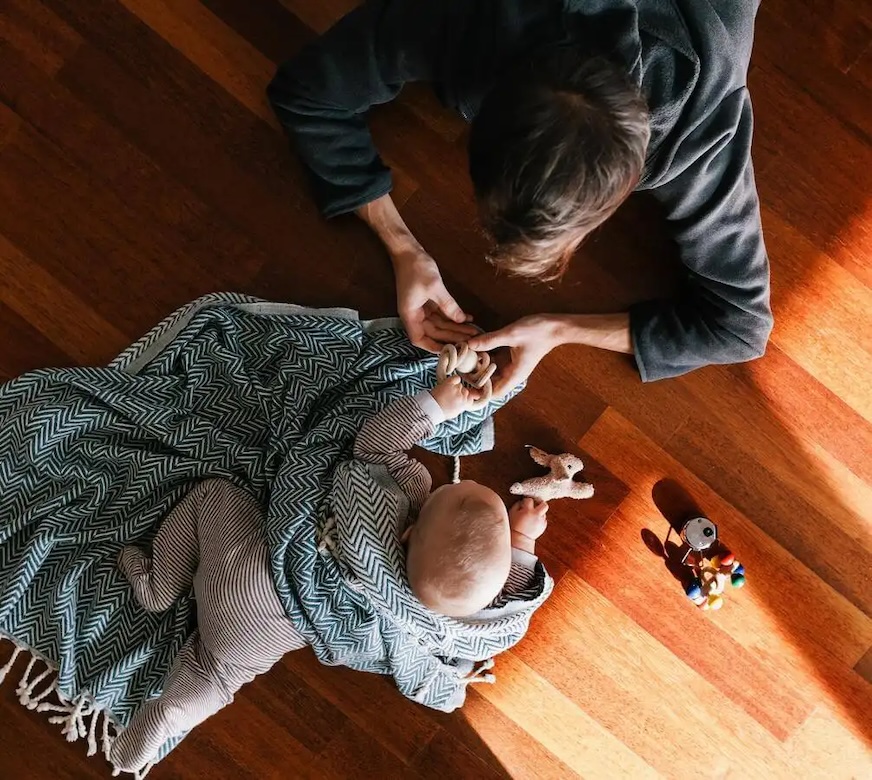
{"x": 474, "y": 368}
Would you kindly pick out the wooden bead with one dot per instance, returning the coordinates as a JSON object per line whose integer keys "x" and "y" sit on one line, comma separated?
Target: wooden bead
{"x": 727, "y": 559}
{"x": 738, "y": 568}
{"x": 715, "y": 602}
{"x": 694, "y": 589}
{"x": 738, "y": 580}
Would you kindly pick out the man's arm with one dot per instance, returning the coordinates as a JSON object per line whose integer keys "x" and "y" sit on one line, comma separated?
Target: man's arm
{"x": 322, "y": 96}
{"x": 723, "y": 315}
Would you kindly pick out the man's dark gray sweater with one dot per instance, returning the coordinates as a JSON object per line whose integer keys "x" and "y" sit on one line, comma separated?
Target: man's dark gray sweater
{"x": 690, "y": 58}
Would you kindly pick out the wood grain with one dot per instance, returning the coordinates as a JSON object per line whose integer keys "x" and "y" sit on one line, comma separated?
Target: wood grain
{"x": 141, "y": 166}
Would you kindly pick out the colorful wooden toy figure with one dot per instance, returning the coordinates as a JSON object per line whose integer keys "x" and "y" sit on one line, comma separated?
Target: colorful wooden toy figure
{"x": 710, "y": 573}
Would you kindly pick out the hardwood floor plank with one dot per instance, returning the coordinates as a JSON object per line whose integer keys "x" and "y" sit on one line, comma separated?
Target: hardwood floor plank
{"x": 10, "y": 122}
{"x": 319, "y": 16}
{"x": 267, "y": 25}
{"x": 353, "y": 755}
{"x": 369, "y": 702}
{"x": 829, "y": 503}
{"x": 641, "y": 693}
{"x": 25, "y": 348}
{"x": 816, "y": 304}
{"x": 820, "y": 155}
{"x": 838, "y": 30}
{"x": 824, "y": 747}
{"x": 122, "y": 267}
{"x": 213, "y": 47}
{"x": 93, "y": 144}
{"x": 819, "y": 636}
{"x": 506, "y": 746}
{"x": 560, "y": 721}
{"x": 618, "y": 564}
{"x": 59, "y": 315}
{"x": 445, "y": 755}
{"x": 40, "y": 35}
{"x": 809, "y": 411}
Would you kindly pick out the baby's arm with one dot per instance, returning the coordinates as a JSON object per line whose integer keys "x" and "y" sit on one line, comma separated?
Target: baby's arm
{"x": 385, "y": 438}
{"x": 528, "y": 520}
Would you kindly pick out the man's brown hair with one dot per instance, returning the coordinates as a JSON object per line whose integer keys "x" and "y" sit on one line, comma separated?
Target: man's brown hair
{"x": 555, "y": 148}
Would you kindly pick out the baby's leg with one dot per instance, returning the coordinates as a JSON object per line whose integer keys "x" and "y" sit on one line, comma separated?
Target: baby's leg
{"x": 192, "y": 692}
{"x": 243, "y": 628}
{"x": 159, "y": 581}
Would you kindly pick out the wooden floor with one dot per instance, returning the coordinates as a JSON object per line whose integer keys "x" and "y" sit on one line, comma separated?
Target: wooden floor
{"x": 140, "y": 167}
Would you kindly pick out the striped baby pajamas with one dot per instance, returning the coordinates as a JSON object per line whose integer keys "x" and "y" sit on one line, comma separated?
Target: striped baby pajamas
{"x": 213, "y": 541}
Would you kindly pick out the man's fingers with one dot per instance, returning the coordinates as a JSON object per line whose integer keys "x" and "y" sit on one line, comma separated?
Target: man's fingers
{"x": 425, "y": 342}
{"x": 461, "y": 331}
{"x": 484, "y": 342}
{"x": 447, "y": 335}
{"x": 414, "y": 324}
{"x": 507, "y": 379}
{"x": 450, "y": 308}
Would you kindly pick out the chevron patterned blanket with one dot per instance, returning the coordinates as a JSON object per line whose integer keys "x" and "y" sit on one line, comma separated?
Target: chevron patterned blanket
{"x": 267, "y": 395}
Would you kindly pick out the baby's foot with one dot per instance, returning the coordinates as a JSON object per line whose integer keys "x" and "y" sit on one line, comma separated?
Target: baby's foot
{"x": 133, "y": 563}
{"x": 138, "y": 744}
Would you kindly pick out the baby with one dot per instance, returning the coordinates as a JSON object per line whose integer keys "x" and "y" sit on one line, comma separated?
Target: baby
{"x": 464, "y": 553}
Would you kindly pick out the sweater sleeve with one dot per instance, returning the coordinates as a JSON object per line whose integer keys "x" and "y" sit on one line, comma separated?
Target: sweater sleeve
{"x": 322, "y": 96}
{"x": 385, "y": 438}
{"x": 723, "y": 314}
{"x": 525, "y": 581}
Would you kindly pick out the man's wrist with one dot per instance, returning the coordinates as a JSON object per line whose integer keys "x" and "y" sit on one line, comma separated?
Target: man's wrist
{"x": 605, "y": 331}
{"x": 385, "y": 221}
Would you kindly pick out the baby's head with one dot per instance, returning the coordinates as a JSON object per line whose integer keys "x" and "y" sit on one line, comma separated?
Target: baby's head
{"x": 459, "y": 551}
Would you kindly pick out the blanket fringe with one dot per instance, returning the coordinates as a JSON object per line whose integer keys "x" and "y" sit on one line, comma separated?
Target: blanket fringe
{"x": 78, "y": 717}
{"x": 481, "y": 674}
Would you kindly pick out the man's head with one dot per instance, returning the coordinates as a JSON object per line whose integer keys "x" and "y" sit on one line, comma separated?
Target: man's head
{"x": 556, "y": 147}
{"x": 459, "y": 551}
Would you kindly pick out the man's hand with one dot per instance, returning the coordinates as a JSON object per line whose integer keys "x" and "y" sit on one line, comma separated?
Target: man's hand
{"x": 429, "y": 313}
{"x": 529, "y": 340}
{"x": 528, "y": 519}
{"x": 454, "y": 397}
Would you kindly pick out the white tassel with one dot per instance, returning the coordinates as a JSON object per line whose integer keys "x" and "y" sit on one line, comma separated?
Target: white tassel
{"x": 107, "y": 739}
{"x": 25, "y": 678}
{"x": 481, "y": 675}
{"x": 92, "y": 732}
{"x": 25, "y": 695}
{"x": 77, "y": 716}
{"x": 7, "y": 667}
{"x": 50, "y": 706}
{"x": 456, "y": 476}
{"x": 73, "y": 723}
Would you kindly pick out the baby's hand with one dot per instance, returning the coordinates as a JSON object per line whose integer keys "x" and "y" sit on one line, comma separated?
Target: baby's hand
{"x": 454, "y": 397}
{"x": 529, "y": 518}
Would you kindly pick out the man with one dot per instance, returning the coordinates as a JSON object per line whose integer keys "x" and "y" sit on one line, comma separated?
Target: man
{"x": 574, "y": 104}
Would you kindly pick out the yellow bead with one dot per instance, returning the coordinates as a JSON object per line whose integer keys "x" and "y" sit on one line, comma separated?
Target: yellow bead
{"x": 715, "y": 602}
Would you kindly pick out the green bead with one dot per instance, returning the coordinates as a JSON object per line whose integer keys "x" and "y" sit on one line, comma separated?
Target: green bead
{"x": 738, "y": 580}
